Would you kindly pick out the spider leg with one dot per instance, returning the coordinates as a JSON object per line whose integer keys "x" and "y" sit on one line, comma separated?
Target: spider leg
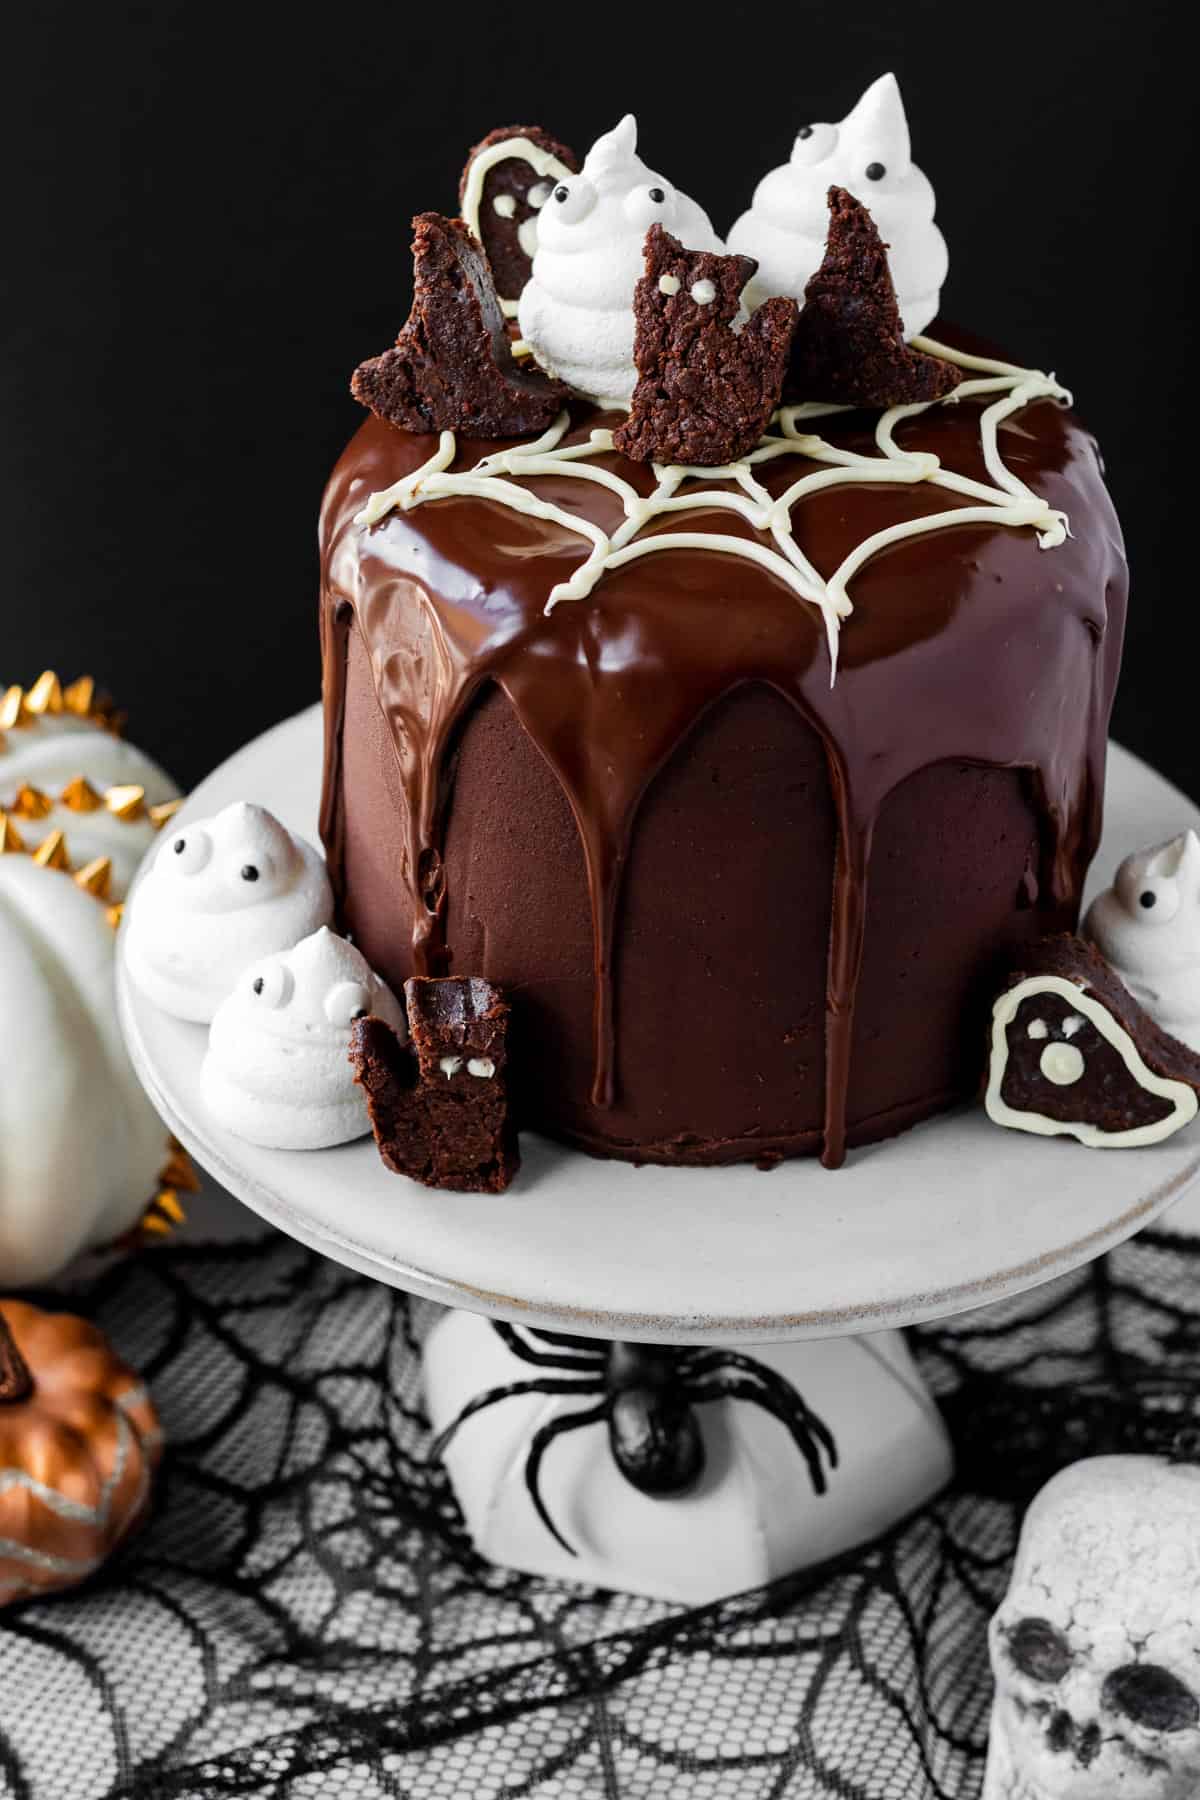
{"x": 581, "y": 1346}
{"x": 543, "y": 1359}
{"x": 490, "y": 1397}
{"x": 542, "y": 1440}
{"x": 730, "y": 1387}
{"x": 785, "y": 1396}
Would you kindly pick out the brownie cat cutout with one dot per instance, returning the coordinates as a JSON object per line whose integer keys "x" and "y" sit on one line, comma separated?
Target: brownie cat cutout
{"x": 705, "y": 393}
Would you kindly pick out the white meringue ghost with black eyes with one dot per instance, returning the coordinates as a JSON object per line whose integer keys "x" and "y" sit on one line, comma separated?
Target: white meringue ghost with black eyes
{"x": 869, "y": 155}
{"x": 220, "y": 893}
{"x": 576, "y": 310}
{"x": 1147, "y": 928}
{"x": 278, "y": 1069}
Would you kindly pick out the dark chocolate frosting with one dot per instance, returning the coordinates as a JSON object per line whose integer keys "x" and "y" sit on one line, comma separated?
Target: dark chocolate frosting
{"x": 969, "y": 645}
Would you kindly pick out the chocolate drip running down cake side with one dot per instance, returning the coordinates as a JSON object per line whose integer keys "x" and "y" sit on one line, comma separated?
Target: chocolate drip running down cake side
{"x": 743, "y": 911}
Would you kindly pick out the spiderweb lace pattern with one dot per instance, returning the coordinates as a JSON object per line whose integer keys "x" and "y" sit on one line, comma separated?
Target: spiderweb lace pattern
{"x": 1006, "y": 500}
{"x": 304, "y": 1616}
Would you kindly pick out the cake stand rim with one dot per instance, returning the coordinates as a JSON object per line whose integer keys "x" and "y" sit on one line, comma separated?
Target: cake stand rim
{"x": 269, "y": 1199}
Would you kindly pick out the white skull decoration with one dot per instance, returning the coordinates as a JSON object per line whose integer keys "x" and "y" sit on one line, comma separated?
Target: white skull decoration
{"x": 1096, "y": 1647}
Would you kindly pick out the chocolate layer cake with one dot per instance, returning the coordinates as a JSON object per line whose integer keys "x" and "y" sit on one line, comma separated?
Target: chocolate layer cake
{"x": 742, "y": 911}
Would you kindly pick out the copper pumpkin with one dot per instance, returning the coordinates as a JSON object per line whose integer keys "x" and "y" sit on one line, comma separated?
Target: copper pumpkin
{"x": 79, "y": 1444}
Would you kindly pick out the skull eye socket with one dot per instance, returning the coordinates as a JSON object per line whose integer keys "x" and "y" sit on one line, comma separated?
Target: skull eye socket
{"x": 1038, "y": 1650}
{"x": 1152, "y": 1697}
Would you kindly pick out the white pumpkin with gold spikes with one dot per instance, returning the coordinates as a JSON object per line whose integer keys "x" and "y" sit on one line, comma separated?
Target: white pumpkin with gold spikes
{"x": 64, "y": 769}
{"x": 82, "y": 1150}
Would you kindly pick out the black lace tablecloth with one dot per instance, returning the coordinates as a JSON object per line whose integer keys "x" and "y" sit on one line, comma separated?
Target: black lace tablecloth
{"x": 304, "y": 1615}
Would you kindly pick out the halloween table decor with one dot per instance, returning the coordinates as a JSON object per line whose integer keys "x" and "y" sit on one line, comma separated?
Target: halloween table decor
{"x": 82, "y": 1151}
{"x": 69, "y": 780}
{"x": 678, "y": 1472}
{"x": 79, "y": 1444}
{"x": 646, "y": 1398}
{"x": 1096, "y": 1647}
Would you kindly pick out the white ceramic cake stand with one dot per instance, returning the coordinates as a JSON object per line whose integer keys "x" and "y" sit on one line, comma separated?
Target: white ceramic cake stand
{"x": 949, "y": 1216}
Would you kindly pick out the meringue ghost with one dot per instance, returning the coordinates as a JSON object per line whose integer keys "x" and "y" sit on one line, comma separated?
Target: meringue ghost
{"x": 278, "y": 1068}
{"x": 576, "y": 310}
{"x": 869, "y": 154}
{"x": 220, "y": 893}
{"x": 1147, "y": 926}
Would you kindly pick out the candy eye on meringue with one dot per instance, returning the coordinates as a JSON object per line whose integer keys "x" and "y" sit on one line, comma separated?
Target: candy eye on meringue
{"x": 813, "y": 144}
{"x": 253, "y": 870}
{"x": 272, "y": 985}
{"x": 644, "y": 205}
{"x": 571, "y": 201}
{"x": 1152, "y": 899}
{"x": 348, "y": 1001}
{"x": 188, "y": 852}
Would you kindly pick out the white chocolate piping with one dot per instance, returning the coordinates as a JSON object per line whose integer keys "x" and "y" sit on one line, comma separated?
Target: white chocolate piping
{"x": 541, "y": 161}
{"x": 1009, "y": 502}
{"x": 1182, "y": 1097}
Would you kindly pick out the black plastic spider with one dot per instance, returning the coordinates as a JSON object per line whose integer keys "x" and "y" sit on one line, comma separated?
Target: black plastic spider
{"x": 647, "y": 1397}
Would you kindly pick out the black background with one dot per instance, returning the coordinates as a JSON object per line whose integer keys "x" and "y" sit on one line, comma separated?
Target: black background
{"x": 207, "y": 227}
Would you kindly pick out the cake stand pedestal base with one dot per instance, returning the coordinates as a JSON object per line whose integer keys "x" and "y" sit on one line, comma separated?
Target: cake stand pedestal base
{"x": 751, "y": 1516}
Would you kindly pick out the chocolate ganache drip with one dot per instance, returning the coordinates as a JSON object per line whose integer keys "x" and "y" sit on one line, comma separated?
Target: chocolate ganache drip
{"x": 968, "y": 645}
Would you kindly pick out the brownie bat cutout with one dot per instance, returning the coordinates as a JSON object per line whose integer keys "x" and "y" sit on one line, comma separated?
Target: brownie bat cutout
{"x": 452, "y": 368}
{"x": 440, "y": 1110}
{"x": 1072, "y": 1053}
{"x": 513, "y": 195}
{"x": 849, "y": 346}
{"x": 705, "y": 393}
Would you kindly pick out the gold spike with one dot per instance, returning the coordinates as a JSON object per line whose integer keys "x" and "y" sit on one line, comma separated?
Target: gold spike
{"x": 12, "y": 709}
{"x": 80, "y": 795}
{"x": 96, "y": 877}
{"x": 10, "y": 838}
{"x": 46, "y": 695}
{"x": 80, "y": 697}
{"x": 31, "y": 803}
{"x": 150, "y": 1221}
{"x": 113, "y": 915}
{"x": 51, "y": 853}
{"x": 126, "y": 802}
{"x": 167, "y": 1200}
{"x": 177, "y": 1172}
{"x": 163, "y": 813}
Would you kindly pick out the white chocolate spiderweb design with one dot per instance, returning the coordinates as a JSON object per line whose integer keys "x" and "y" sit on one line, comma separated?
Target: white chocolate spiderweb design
{"x": 1004, "y": 501}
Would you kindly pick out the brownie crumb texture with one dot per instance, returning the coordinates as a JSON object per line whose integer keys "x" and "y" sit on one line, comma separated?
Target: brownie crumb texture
{"x": 513, "y": 194}
{"x": 705, "y": 392}
{"x": 849, "y": 346}
{"x": 439, "y": 1106}
{"x": 452, "y": 368}
{"x": 1073, "y": 1053}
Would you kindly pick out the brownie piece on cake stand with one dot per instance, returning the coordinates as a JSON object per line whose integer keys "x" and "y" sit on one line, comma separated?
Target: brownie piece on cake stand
{"x": 670, "y": 1281}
